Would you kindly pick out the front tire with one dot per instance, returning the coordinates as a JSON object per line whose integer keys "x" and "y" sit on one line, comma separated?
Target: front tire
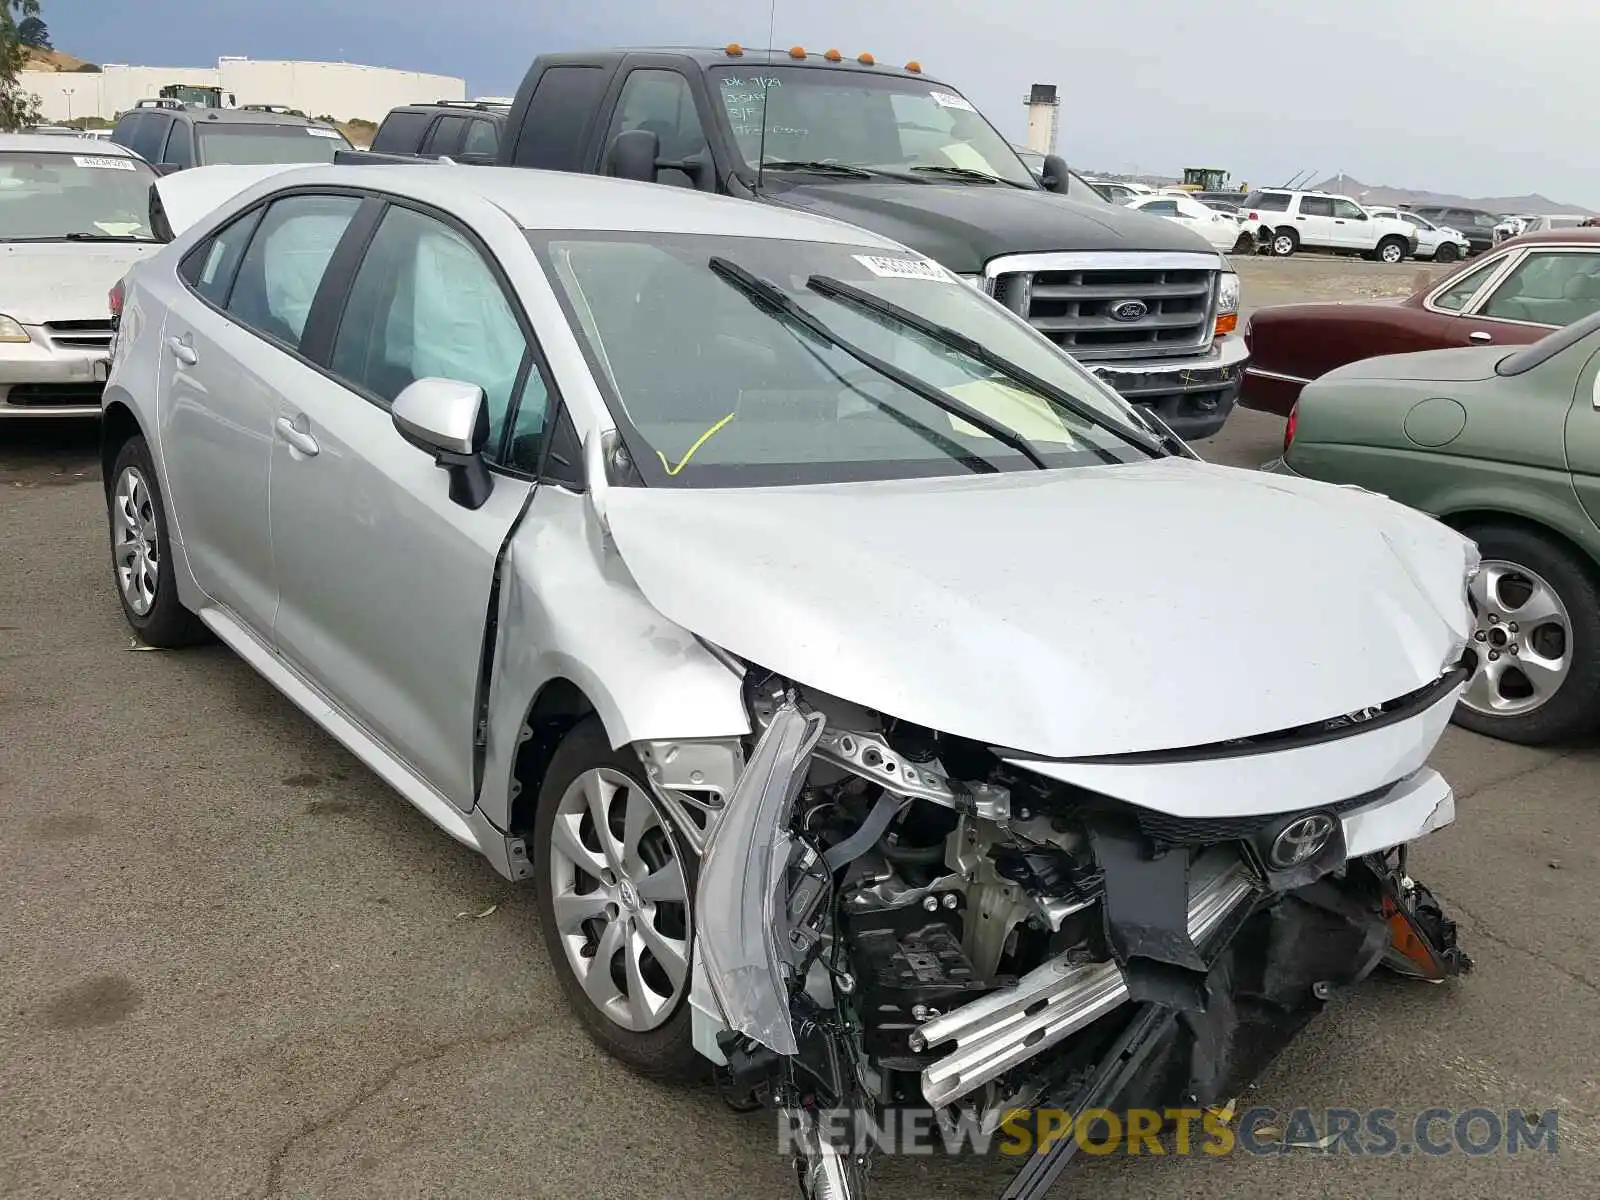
{"x": 1391, "y": 250}
{"x": 1284, "y": 243}
{"x": 1535, "y": 654}
{"x": 1446, "y": 253}
{"x": 141, "y": 565}
{"x": 614, "y": 890}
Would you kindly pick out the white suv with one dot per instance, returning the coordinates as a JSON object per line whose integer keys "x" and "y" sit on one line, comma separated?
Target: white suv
{"x": 1323, "y": 221}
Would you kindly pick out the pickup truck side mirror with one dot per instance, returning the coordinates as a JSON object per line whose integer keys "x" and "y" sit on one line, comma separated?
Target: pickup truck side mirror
{"x": 164, "y": 169}
{"x": 1055, "y": 177}
{"x": 633, "y": 154}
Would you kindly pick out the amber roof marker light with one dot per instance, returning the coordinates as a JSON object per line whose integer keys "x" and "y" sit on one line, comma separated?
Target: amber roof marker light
{"x": 914, "y": 67}
{"x": 797, "y": 51}
{"x": 866, "y": 60}
{"x": 733, "y": 50}
{"x": 833, "y": 56}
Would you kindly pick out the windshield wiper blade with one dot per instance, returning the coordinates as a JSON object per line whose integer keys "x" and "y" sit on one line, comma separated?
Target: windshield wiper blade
{"x": 817, "y": 167}
{"x": 765, "y": 295}
{"x": 972, "y": 348}
{"x": 104, "y": 237}
{"x": 964, "y": 173}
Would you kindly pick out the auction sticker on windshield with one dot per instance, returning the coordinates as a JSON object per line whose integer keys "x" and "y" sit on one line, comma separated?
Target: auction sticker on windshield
{"x": 107, "y": 163}
{"x": 902, "y": 268}
{"x": 327, "y": 133}
{"x": 951, "y": 100}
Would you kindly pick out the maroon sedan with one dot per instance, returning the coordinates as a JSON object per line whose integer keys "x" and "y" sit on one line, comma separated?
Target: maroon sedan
{"x": 1515, "y": 294}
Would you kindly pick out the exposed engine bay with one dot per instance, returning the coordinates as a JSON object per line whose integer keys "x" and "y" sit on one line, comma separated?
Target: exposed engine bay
{"x": 889, "y": 917}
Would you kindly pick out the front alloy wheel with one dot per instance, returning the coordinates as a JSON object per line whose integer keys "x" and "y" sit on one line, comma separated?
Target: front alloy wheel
{"x": 619, "y": 899}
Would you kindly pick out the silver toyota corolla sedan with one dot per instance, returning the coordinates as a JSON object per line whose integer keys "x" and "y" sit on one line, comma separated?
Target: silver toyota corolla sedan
{"x": 833, "y": 652}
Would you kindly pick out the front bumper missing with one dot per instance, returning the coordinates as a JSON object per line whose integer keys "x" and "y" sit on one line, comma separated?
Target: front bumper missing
{"x": 1194, "y": 395}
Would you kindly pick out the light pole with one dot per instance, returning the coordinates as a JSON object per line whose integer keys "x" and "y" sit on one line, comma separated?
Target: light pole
{"x": 67, "y": 92}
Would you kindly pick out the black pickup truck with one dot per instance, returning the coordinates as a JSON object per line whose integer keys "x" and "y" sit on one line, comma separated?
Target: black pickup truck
{"x": 1141, "y": 301}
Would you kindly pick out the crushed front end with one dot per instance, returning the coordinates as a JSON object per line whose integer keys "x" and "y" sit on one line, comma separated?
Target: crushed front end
{"x": 892, "y": 918}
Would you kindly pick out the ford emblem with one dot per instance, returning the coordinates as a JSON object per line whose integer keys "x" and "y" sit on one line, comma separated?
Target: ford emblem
{"x": 1128, "y": 310}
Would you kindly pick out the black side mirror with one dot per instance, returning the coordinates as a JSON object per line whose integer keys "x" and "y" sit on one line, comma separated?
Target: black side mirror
{"x": 1055, "y": 177}
{"x": 633, "y": 154}
{"x": 165, "y": 169}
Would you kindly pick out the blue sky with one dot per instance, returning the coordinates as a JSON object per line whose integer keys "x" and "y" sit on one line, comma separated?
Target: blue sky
{"x": 1415, "y": 94}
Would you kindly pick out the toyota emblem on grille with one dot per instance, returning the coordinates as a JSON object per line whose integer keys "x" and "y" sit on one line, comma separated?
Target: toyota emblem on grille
{"x": 1128, "y": 310}
{"x": 1301, "y": 841}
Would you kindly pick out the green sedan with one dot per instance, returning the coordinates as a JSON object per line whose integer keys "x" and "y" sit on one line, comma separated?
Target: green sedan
{"x": 1504, "y": 446}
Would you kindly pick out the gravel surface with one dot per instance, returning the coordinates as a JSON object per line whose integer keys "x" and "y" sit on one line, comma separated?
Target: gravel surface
{"x": 233, "y": 964}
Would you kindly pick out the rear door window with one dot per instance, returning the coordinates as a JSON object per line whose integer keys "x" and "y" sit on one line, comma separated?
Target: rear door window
{"x": 553, "y": 128}
{"x": 1268, "y": 201}
{"x": 401, "y": 131}
{"x": 1316, "y": 206}
{"x": 1552, "y": 288}
{"x": 482, "y": 137}
{"x": 281, "y": 271}
{"x": 445, "y": 135}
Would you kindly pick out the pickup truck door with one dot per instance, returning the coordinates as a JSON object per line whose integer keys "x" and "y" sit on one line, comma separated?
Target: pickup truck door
{"x": 657, "y": 97}
{"x": 384, "y": 581}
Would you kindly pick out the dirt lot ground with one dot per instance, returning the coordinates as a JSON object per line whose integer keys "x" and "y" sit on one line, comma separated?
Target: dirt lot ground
{"x": 233, "y": 964}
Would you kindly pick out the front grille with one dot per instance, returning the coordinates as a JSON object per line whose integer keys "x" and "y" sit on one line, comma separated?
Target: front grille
{"x": 1205, "y": 831}
{"x": 79, "y": 335}
{"x": 30, "y": 395}
{"x": 1071, "y": 299}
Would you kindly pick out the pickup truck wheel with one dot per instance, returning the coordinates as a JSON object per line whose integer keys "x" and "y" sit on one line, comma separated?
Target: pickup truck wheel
{"x": 1446, "y": 253}
{"x": 1535, "y": 653}
{"x": 1285, "y": 242}
{"x": 140, "y": 564}
{"x": 1392, "y": 250}
{"x": 614, "y": 890}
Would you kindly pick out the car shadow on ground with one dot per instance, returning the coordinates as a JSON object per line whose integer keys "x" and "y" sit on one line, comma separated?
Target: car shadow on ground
{"x": 49, "y": 453}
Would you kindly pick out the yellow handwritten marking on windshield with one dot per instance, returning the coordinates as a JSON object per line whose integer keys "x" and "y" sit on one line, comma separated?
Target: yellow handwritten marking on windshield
{"x": 1032, "y": 416}
{"x": 689, "y": 453}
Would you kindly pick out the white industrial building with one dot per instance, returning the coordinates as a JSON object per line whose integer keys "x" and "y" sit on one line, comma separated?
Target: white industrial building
{"x": 344, "y": 91}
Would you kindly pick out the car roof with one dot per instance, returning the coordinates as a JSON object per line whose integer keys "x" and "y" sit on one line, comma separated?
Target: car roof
{"x": 562, "y": 200}
{"x": 1555, "y": 237}
{"x": 232, "y": 116}
{"x": 54, "y": 143}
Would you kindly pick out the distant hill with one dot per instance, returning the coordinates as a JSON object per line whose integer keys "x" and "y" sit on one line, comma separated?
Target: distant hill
{"x": 1378, "y": 194}
{"x": 54, "y": 60}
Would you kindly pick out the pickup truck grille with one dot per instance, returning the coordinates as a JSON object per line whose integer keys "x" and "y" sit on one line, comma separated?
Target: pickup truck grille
{"x": 1082, "y": 301}
{"x": 79, "y": 335}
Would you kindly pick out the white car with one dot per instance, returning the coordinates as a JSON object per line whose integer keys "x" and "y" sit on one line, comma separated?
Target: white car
{"x": 73, "y": 219}
{"x": 1224, "y": 231}
{"x": 831, "y": 652}
{"x": 1300, "y": 220}
{"x": 1436, "y": 243}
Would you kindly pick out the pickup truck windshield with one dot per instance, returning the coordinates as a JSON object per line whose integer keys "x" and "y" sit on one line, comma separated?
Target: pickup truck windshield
{"x": 885, "y": 123}
{"x": 712, "y": 387}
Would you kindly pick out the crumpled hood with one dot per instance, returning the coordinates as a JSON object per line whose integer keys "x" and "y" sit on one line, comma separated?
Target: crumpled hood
{"x": 1067, "y": 613}
{"x": 1458, "y": 365}
{"x": 962, "y": 226}
{"x": 64, "y": 281}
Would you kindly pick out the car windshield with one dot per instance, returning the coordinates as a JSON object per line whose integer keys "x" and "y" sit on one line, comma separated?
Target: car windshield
{"x": 236, "y": 142}
{"x": 712, "y": 388}
{"x": 53, "y": 196}
{"x": 890, "y": 124}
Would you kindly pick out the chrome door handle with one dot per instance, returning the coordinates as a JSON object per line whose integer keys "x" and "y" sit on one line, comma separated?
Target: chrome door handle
{"x": 300, "y": 439}
{"x": 1479, "y": 335}
{"x": 182, "y": 351}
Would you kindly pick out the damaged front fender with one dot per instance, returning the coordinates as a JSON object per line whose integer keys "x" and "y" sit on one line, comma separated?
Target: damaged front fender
{"x": 741, "y": 879}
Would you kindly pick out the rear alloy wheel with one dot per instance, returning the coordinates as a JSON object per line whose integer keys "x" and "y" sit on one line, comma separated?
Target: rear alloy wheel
{"x": 1285, "y": 242}
{"x": 1391, "y": 250}
{"x": 1446, "y": 253}
{"x": 1535, "y": 650}
{"x": 139, "y": 559}
{"x": 614, "y": 892}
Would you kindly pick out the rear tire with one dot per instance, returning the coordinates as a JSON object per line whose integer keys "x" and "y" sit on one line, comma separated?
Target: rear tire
{"x": 572, "y": 865}
{"x": 1284, "y": 243}
{"x": 141, "y": 565}
{"x": 1391, "y": 250}
{"x": 1523, "y": 572}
